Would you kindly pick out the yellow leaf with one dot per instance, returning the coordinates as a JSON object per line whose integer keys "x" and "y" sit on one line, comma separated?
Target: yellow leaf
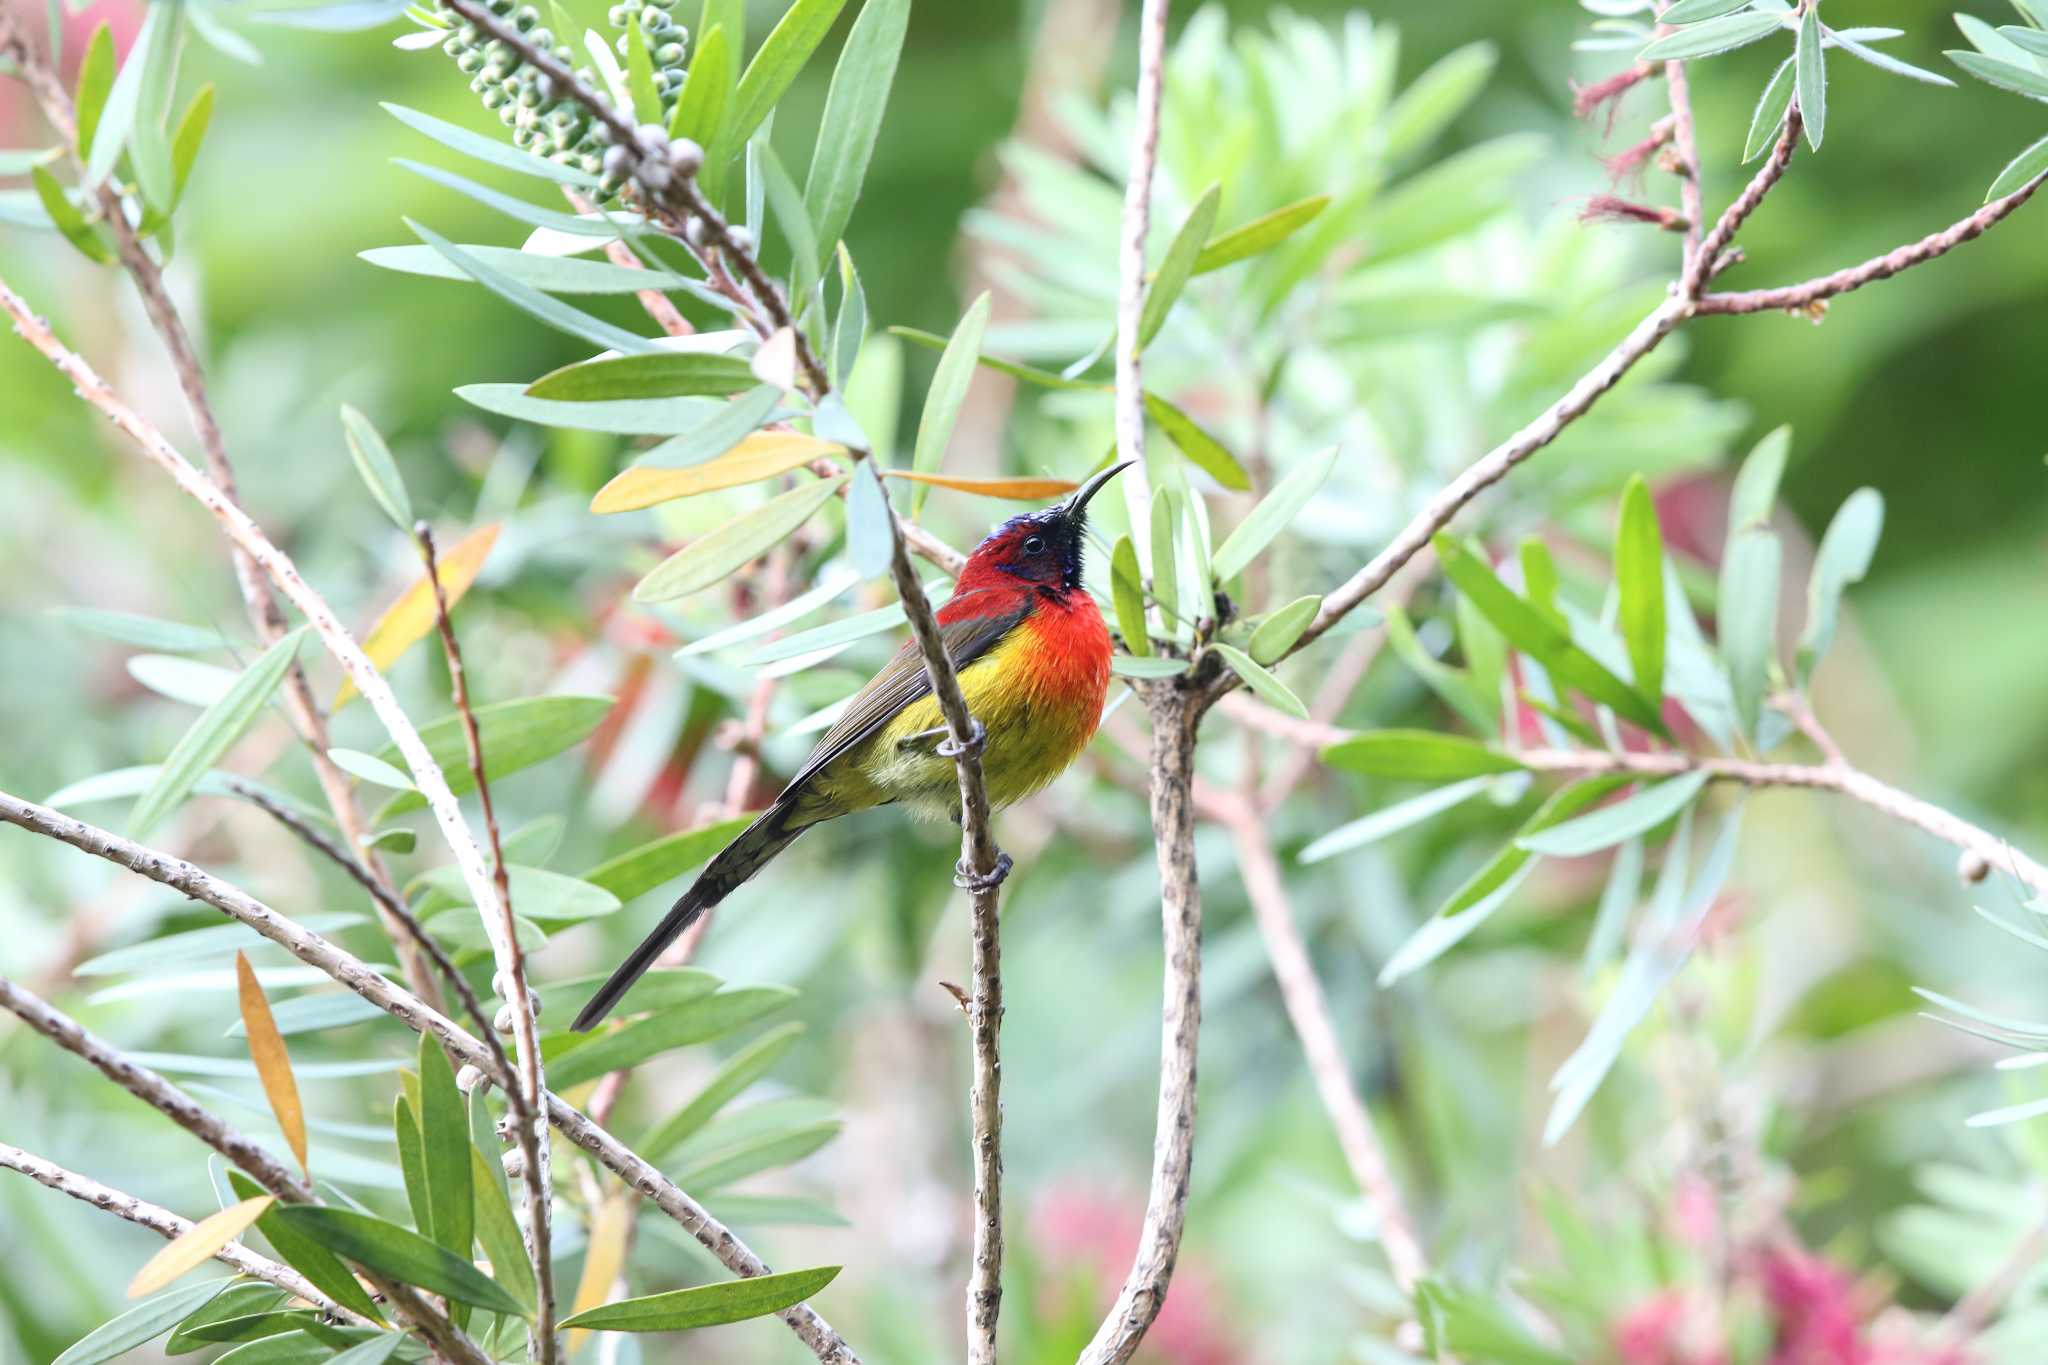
{"x": 197, "y": 1244}
{"x": 407, "y": 621}
{"x": 762, "y": 455}
{"x": 604, "y": 1257}
{"x": 273, "y": 1063}
{"x": 1017, "y": 490}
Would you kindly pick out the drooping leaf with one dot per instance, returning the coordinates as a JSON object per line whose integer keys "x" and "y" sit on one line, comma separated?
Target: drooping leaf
{"x": 718, "y": 433}
{"x": 117, "y": 114}
{"x": 1536, "y": 635}
{"x": 641, "y": 869}
{"x": 236, "y": 1304}
{"x": 870, "y": 538}
{"x": 273, "y": 1061}
{"x": 663, "y": 988}
{"x": 699, "y": 1021}
{"x": 1809, "y": 64}
{"x": 1262, "y": 682}
{"x": 1843, "y": 558}
{"x": 445, "y": 1151}
{"x": 1611, "y": 824}
{"x": 774, "y": 1146}
{"x": 1392, "y": 819}
{"x": 639, "y": 417}
{"x": 1747, "y": 611}
{"x": 373, "y": 461}
{"x": 1127, "y": 594}
{"x": 314, "y": 1013}
{"x": 400, "y": 1253}
{"x": 775, "y": 66}
{"x": 66, "y": 218}
{"x": 1769, "y": 116}
{"x": 215, "y": 732}
{"x": 1617, "y": 898}
{"x": 2021, "y": 80}
{"x": 1278, "y": 632}
{"x": 763, "y": 455}
{"x": 1204, "y": 451}
{"x": 497, "y": 1230}
{"x": 554, "y": 274}
{"x": 1260, "y": 234}
{"x": 1711, "y": 38}
{"x": 707, "y": 1305}
{"x": 741, "y": 1070}
{"x": 1030, "y": 374}
{"x": 414, "y": 614}
{"x": 1883, "y": 61}
{"x": 182, "y": 680}
{"x": 853, "y": 116}
{"x": 545, "y": 897}
{"x": 947, "y": 393}
{"x": 412, "y": 1160}
{"x": 660, "y": 374}
{"x": 1453, "y": 685}
{"x": 531, "y": 301}
{"x": 140, "y": 1325}
{"x": 147, "y": 631}
{"x": 196, "y": 1245}
{"x": 493, "y": 151}
{"x": 724, "y": 551}
{"x": 1693, "y": 11}
{"x": 1178, "y": 265}
{"x": 1274, "y": 513}
{"x": 1417, "y": 755}
{"x": 2022, "y": 170}
{"x": 1016, "y": 490}
{"x": 1639, "y": 581}
{"x": 516, "y": 734}
{"x": 1559, "y": 807}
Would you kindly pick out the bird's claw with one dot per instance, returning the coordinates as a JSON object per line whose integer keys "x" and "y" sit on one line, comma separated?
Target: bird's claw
{"x": 976, "y": 737}
{"x": 967, "y": 879}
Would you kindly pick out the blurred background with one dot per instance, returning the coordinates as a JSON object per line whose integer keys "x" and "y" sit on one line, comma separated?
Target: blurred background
{"x": 1799, "y": 1031}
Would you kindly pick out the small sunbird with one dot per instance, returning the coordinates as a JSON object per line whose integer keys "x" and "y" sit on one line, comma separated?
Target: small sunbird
{"x": 1032, "y": 655}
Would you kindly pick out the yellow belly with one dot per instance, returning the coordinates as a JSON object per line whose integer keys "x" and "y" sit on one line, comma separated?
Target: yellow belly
{"x": 1038, "y": 720}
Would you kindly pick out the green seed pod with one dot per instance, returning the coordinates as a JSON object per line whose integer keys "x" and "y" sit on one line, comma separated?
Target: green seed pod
{"x": 469, "y": 62}
{"x": 616, "y": 15}
{"x": 669, "y": 55}
{"x": 542, "y": 38}
{"x": 501, "y": 8}
{"x": 522, "y": 138}
{"x": 477, "y": 84}
{"x": 526, "y": 18}
{"x": 653, "y": 20}
{"x": 454, "y": 46}
{"x": 468, "y": 32}
{"x": 494, "y": 96}
{"x": 507, "y": 112}
{"x": 529, "y": 98}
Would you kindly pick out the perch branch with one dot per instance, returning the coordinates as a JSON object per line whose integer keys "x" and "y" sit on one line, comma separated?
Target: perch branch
{"x": 169, "y": 1226}
{"x": 357, "y": 975}
{"x": 262, "y": 609}
{"x": 522, "y": 1098}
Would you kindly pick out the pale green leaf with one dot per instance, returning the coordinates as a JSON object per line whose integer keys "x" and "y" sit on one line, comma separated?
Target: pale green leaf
{"x": 722, "y": 552}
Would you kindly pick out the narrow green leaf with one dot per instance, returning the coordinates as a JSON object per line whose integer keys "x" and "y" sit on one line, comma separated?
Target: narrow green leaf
{"x": 1756, "y": 482}
{"x": 400, "y": 1253}
{"x": 532, "y": 302}
{"x": 1044, "y": 379}
{"x": 1392, "y": 819}
{"x": 1274, "y": 513}
{"x": 781, "y": 1146}
{"x": 1989, "y": 40}
{"x": 1625, "y": 819}
{"x": 1810, "y": 65}
{"x": 1843, "y": 558}
{"x": 869, "y": 542}
{"x": 117, "y": 114}
{"x": 516, "y": 734}
{"x": 555, "y": 274}
{"x": 489, "y": 150}
{"x": 741, "y": 1070}
{"x": 1507, "y": 866}
{"x": 853, "y": 116}
{"x": 640, "y": 74}
{"x": 147, "y": 631}
{"x": 143, "y": 1323}
{"x": 1278, "y": 632}
{"x": 807, "y": 259}
{"x": 722, "y": 552}
{"x": 1178, "y": 265}
{"x": 700, "y": 109}
{"x": 1166, "y": 553}
{"x": 664, "y": 988}
{"x": 706, "y": 1305}
{"x": 1130, "y": 666}
{"x": 1693, "y": 11}
{"x": 774, "y": 68}
{"x": 445, "y": 1150}
{"x": 188, "y": 139}
{"x": 1262, "y": 682}
{"x": 1260, "y": 234}
{"x": 1639, "y": 581}
{"x": 66, "y": 218}
{"x": 1530, "y": 631}
{"x": 1417, "y": 755}
{"x": 236, "y": 1304}
{"x": 2031, "y": 41}
{"x": 1436, "y": 97}
{"x": 661, "y": 374}
{"x": 1770, "y": 112}
{"x": 1617, "y": 898}
{"x": 947, "y": 393}
{"x": 315, "y": 1013}
{"x": 2021, "y": 80}
{"x": 1539, "y": 579}
{"x": 732, "y": 423}
{"x": 542, "y": 896}
{"x": 412, "y": 1160}
{"x": 212, "y": 734}
{"x": 1711, "y": 38}
{"x": 95, "y": 79}
{"x": 1127, "y": 593}
{"x": 1202, "y": 450}
{"x": 497, "y": 1231}
{"x": 376, "y": 1351}
{"x": 374, "y": 463}
{"x": 622, "y": 417}
{"x": 640, "y": 870}
{"x": 850, "y": 326}
{"x": 698, "y": 1021}
{"x": 1883, "y": 61}
{"x": 1748, "y": 616}
{"x": 372, "y": 769}
{"x": 2022, "y": 170}
{"x": 1453, "y": 685}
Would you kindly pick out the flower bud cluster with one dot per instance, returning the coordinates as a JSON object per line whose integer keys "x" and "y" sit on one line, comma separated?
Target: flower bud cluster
{"x": 543, "y": 120}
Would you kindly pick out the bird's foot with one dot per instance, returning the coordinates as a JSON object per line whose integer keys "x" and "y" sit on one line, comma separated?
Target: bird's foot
{"x": 967, "y": 879}
{"x": 976, "y": 737}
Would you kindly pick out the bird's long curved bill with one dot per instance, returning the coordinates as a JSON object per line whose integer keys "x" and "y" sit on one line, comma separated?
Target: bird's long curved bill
{"x": 1079, "y": 501}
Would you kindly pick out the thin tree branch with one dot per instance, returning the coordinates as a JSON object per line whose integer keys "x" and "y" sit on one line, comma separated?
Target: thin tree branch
{"x": 523, "y": 1098}
{"x": 1132, "y": 232}
{"x": 1704, "y": 263}
{"x": 357, "y": 975}
{"x": 1805, "y": 296}
{"x": 262, "y": 609}
{"x": 272, "y": 1174}
{"x": 659, "y": 306}
{"x": 1685, "y": 144}
{"x": 1308, "y": 1009}
{"x": 169, "y": 1226}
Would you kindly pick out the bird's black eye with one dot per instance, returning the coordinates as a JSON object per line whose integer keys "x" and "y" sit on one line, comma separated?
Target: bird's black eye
{"x": 1034, "y": 545}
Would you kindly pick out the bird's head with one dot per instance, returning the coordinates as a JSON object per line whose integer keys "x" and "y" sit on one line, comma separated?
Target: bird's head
{"x": 1041, "y": 548}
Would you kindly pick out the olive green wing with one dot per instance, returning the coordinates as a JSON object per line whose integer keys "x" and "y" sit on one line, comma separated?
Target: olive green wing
{"x": 902, "y": 681}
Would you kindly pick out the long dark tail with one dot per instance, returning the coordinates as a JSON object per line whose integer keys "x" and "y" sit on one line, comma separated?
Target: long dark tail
{"x": 756, "y": 847}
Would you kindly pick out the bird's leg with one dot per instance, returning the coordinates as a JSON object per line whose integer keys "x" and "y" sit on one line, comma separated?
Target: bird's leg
{"x": 967, "y": 879}
{"x": 922, "y": 738}
{"x": 976, "y": 737}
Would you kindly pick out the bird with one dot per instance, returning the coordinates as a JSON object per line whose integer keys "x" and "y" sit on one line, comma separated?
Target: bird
{"x": 1032, "y": 654}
